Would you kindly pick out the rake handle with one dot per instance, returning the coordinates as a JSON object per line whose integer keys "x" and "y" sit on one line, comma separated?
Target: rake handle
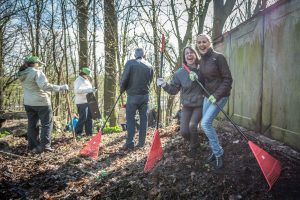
{"x": 69, "y": 109}
{"x": 70, "y": 115}
{"x": 207, "y": 93}
{"x": 103, "y": 126}
{"x": 160, "y": 75}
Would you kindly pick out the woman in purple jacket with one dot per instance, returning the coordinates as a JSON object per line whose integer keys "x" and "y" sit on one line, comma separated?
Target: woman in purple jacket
{"x": 216, "y": 76}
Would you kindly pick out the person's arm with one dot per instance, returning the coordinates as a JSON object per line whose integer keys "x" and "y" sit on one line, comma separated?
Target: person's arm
{"x": 43, "y": 83}
{"x": 225, "y": 86}
{"x": 125, "y": 78}
{"x": 81, "y": 88}
{"x": 174, "y": 86}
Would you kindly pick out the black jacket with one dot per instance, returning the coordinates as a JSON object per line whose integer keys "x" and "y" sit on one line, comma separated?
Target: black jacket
{"x": 136, "y": 77}
{"x": 215, "y": 73}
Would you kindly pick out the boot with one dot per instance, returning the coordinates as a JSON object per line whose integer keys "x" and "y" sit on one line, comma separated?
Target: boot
{"x": 211, "y": 158}
{"x": 195, "y": 151}
{"x": 219, "y": 162}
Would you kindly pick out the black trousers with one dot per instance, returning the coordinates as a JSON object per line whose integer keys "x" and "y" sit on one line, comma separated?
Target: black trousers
{"x": 45, "y": 115}
{"x": 190, "y": 118}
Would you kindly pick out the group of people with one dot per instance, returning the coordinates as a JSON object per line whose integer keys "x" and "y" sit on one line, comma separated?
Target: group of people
{"x": 37, "y": 103}
{"x": 210, "y": 69}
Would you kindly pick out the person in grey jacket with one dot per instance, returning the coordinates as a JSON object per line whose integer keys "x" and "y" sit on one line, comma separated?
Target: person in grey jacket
{"x": 217, "y": 79}
{"x": 191, "y": 98}
{"x": 37, "y": 104}
{"x": 136, "y": 80}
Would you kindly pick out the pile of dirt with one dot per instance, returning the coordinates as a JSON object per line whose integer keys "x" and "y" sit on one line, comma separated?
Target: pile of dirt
{"x": 118, "y": 174}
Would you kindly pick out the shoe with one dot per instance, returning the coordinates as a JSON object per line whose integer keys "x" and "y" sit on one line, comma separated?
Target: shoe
{"x": 211, "y": 158}
{"x": 30, "y": 148}
{"x": 37, "y": 150}
{"x": 127, "y": 147}
{"x": 194, "y": 152}
{"x": 139, "y": 146}
{"x": 49, "y": 149}
{"x": 219, "y": 162}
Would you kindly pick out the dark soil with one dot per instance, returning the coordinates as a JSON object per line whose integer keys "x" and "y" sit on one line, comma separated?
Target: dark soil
{"x": 118, "y": 174}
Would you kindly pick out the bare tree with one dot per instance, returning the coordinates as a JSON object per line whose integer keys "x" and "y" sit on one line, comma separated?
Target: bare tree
{"x": 182, "y": 41}
{"x": 7, "y": 41}
{"x": 202, "y": 11}
{"x": 110, "y": 38}
{"x": 260, "y": 5}
{"x": 83, "y": 19}
{"x": 221, "y": 13}
{"x": 127, "y": 16}
{"x": 242, "y": 11}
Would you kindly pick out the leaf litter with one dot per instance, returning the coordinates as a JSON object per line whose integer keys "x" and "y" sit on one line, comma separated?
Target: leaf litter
{"x": 118, "y": 174}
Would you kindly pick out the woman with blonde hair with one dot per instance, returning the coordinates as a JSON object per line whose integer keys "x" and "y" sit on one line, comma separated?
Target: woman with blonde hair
{"x": 216, "y": 76}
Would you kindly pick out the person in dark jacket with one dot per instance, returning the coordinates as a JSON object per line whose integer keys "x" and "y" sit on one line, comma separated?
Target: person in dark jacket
{"x": 191, "y": 98}
{"x": 37, "y": 103}
{"x": 136, "y": 80}
{"x": 216, "y": 75}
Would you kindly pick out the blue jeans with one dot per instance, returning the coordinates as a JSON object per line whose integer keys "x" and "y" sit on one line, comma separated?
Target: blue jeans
{"x": 85, "y": 120}
{"x": 134, "y": 103}
{"x": 209, "y": 113}
{"x": 45, "y": 115}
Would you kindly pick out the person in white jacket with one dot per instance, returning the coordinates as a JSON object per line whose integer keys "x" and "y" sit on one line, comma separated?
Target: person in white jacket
{"x": 83, "y": 86}
{"x": 37, "y": 103}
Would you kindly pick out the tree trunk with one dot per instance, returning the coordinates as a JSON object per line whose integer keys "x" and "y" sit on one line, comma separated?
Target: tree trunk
{"x": 221, "y": 13}
{"x": 83, "y": 20}
{"x": 58, "y": 72}
{"x": 38, "y": 15}
{"x": 202, "y": 11}
{"x": 110, "y": 38}
{"x": 94, "y": 48}
{"x": 1, "y": 68}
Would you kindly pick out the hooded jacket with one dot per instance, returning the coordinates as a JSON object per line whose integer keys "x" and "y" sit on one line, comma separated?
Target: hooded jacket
{"x": 36, "y": 87}
{"x": 191, "y": 93}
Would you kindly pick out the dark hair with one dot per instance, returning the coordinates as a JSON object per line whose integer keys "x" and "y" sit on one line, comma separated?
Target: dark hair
{"x": 82, "y": 73}
{"x": 194, "y": 51}
{"x": 23, "y": 67}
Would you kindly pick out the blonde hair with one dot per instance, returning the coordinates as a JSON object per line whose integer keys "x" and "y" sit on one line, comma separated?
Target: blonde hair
{"x": 206, "y": 36}
{"x": 208, "y": 39}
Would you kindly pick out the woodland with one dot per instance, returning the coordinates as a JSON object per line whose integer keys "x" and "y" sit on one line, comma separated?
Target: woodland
{"x": 70, "y": 34}
{"x": 102, "y": 34}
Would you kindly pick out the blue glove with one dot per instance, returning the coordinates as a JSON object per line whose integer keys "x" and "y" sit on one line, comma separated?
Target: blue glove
{"x": 212, "y": 99}
{"x": 193, "y": 76}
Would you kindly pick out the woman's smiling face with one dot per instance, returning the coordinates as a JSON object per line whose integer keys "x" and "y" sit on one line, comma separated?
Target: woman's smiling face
{"x": 203, "y": 44}
{"x": 190, "y": 56}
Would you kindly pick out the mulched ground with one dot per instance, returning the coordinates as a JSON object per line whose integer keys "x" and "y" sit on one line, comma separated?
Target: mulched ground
{"x": 117, "y": 174}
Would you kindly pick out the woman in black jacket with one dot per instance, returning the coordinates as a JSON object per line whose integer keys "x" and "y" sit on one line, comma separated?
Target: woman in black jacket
{"x": 216, "y": 76}
{"x": 191, "y": 97}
